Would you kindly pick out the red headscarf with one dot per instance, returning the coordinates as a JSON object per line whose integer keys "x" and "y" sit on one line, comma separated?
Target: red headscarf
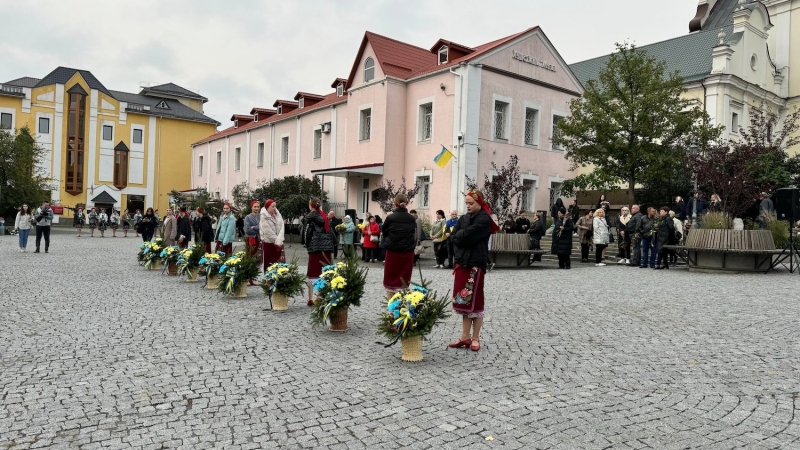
{"x": 325, "y": 218}
{"x": 485, "y": 206}
{"x": 268, "y": 203}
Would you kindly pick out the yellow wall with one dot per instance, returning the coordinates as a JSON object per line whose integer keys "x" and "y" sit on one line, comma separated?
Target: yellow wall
{"x": 173, "y": 139}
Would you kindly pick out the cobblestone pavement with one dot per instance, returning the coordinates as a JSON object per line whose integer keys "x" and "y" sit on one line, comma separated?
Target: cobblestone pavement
{"x": 97, "y": 353}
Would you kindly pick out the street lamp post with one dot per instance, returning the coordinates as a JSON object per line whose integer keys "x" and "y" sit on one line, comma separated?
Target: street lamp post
{"x": 693, "y": 151}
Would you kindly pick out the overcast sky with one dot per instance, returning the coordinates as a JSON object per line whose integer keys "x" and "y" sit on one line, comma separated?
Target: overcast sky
{"x": 246, "y": 53}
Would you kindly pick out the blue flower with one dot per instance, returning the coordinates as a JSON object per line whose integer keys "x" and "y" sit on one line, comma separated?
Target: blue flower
{"x": 414, "y": 287}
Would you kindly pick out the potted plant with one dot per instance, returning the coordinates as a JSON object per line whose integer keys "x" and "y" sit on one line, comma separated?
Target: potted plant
{"x": 282, "y": 281}
{"x": 339, "y": 287}
{"x": 143, "y": 256}
{"x": 410, "y": 315}
{"x": 189, "y": 261}
{"x": 152, "y": 254}
{"x": 236, "y": 272}
{"x": 210, "y": 263}
{"x": 169, "y": 259}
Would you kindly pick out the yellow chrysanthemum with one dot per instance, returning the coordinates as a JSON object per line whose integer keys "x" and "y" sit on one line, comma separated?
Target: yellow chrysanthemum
{"x": 283, "y": 270}
{"x": 396, "y": 296}
{"x": 338, "y": 283}
{"x": 272, "y": 267}
{"x": 415, "y": 297}
{"x": 328, "y": 273}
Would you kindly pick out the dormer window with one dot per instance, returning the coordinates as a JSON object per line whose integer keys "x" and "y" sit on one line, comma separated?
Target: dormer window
{"x": 280, "y": 109}
{"x": 369, "y": 70}
{"x": 443, "y": 54}
{"x": 340, "y": 89}
{"x": 301, "y": 102}
{"x": 162, "y": 104}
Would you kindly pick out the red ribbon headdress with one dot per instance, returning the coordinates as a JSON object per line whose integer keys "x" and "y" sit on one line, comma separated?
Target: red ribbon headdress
{"x": 485, "y": 206}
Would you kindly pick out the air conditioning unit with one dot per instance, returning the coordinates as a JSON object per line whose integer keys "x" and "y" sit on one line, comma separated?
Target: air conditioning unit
{"x": 326, "y": 127}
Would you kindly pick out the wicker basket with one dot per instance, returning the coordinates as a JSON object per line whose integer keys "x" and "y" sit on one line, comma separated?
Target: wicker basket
{"x": 156, "y": 264}
{"x": 339, "y": 320}
{"x": 280, "y": 302}
{"x": 213, "y": 282}
{"x": 192, "y": 275}
{"x": 412, "y": 348}
{"x": 241, "y": 290}
{"x": 172, "y": 269}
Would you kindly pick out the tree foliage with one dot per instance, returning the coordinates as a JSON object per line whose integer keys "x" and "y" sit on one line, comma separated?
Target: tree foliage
{"x": 291, "y": 194}
{"x": 504, "y": 190}
{"x": 200, "y": 199}
{"x": 631, "y": 125}
{"x": 738, "y": 169}
{"x": 387, "y": 191}
{"x": 21, "y": 177}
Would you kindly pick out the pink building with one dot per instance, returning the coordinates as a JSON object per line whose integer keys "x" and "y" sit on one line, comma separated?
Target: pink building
{"x": 393, "y": 113}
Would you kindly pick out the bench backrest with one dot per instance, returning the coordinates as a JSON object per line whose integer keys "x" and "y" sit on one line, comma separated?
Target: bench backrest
{"x": 731, "y": 239}
{"x": 503, "y": 241}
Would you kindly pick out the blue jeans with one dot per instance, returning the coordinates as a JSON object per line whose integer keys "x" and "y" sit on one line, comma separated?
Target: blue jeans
{"x": 649, "y": 247}
{"x": 23, "y": 238}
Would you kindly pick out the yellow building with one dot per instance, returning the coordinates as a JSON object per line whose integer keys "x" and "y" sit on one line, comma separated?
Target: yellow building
{"x": 108, "y": 148}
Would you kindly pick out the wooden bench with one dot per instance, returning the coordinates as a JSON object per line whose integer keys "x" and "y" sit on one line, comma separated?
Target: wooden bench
{"x": 727, "y": 250}
{"x": 512, "y": 249}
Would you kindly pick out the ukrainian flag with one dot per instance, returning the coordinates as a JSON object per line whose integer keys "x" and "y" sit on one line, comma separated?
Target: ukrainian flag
{"x": 443, "y": 157}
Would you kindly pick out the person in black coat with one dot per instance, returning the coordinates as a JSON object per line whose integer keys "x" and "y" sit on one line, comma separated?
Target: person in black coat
{"x": 183, "y": 228}
{"x": 319, "y": 239}
{"x": 558, "y": 205}
{"x": 574, "y": 211}
{"x": 148, "y": 224}
{"x": 523, "y": 225}
{"x": 536, "y": 233}
{"x": 680, "y": 209}
{"x": 206, "y": 230}
{"x": 564, "y": 226}
{"x": 333, "y": 221}
{"x": 399, "y": 240}
{"x": 665, "y": 235}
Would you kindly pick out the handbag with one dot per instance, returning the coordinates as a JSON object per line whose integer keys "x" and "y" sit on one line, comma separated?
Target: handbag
{"x": 418, "y": 250}
{"x": 374, "y": 238}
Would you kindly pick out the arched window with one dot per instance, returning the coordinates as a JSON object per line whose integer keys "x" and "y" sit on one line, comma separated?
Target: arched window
{"x": 369, "y": 70}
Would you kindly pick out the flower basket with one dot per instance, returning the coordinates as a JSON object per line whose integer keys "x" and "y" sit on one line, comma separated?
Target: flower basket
{"x": 240, "y": 291}
{"x": 237, "y": 271}
{"x": 212, "y": 281}
{"x": 412, "y": 348}
{"x": 339, "y": 287}
{"x": 280, "y": 302}
{"x": 153, "y": 264}
{"x": 169, "y": 257}
{"x": 147, "y": 249}
{"x": 338, "y": 320}
{"x": 188, "y": 261}
{"x": 191, "y": 275}
{"x": 410, "y": 315}
{"x": 209, "y": 264}
{"x": 172, "y": 269}
{"x": 283, "y": 281}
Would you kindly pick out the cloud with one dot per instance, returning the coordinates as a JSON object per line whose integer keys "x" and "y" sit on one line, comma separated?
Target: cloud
{"x": 250, "y": 52}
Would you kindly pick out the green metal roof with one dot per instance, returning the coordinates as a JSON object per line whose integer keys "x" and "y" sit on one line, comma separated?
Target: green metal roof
{"x": 690, "y": 55}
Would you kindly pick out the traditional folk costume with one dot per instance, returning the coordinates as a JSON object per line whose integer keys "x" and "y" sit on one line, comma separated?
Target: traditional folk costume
{"x": 92, "y": 219}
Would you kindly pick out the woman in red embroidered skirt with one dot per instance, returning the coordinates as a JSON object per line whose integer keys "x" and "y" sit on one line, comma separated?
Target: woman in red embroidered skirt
{"x": 400, "y": 238}
{"x": 471, "y": 244}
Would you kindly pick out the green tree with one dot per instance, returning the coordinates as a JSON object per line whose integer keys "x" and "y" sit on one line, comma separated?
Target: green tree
{"x": 631, "y": 126}
{"x": 291, "y": 194}
{"x": 21, "y": 178}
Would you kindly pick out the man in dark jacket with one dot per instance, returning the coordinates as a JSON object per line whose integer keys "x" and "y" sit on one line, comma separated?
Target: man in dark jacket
{"x": 632, "y": 230}
{"x": 333, "y": 221}
{"x": 649, "y": 243}
{"x": 562, "y": 238}
{"x": 680, "y": 209}
{"x": 665, "y": 235}
{"x": 522, "y": 224}
{"x": 536, "y": 232}
{"x": 183, "y": 228}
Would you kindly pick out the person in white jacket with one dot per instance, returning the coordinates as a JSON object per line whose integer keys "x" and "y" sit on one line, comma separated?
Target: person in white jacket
{"x": 23, "y": 226}
{"x": 272, "y": 233}
{"x": 599, "y": 236}
{"x": 673, "y": 257}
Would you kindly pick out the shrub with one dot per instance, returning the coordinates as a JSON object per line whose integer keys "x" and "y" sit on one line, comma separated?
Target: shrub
{"x": 779, "y": 229}
{"x": 716, "y": 220}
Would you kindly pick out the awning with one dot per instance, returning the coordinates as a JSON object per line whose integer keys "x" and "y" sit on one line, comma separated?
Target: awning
{"x": 363, "y": 169}
{"x": 104, "y": 197}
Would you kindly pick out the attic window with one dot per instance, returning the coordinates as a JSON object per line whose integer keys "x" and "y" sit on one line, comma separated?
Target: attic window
{"x": 280, "y": 109}
{"x": 339, "y": 89}
{"x": 369, "y": 70}
{"x": 301, "y": 102}
{"x": 162, "y": 104}
{"x": 443, "y": 54}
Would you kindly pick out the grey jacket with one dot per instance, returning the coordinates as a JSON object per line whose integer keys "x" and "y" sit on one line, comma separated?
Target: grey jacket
{"x": 23, "y": 221}
{"x": 43, "y": 219}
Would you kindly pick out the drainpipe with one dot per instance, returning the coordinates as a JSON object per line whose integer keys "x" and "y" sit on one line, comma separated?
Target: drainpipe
{"x": 460, "y": 102}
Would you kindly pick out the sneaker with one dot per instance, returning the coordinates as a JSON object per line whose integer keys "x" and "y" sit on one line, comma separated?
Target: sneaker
{"x": 599, "y": 265}
{"x": 436, "y": 266}
{"x": 622, "y": 261}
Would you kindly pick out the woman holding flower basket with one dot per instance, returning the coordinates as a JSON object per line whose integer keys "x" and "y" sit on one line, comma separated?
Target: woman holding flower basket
{"x": 471, "y": 244}
{"x": 319, "y": 241}
{"x": 272, "y": 230}
{"x": 400, "y": 238}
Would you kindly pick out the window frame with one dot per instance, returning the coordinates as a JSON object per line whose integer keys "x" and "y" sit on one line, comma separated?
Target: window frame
{"x": 369, "y": 68}
{"x": 237, "y": 159}
{"x": 340, "y": 89}
{"x": 424, "y": 193}
{"x": 553, "y": 116}
{"x": 735, "y": 122}
{"x": 421, "y": 122}
{"x": 301, "y": 103}
{"x": 141, "y": 136}
{"x": 285, "y": 149}
{"x": 260, "y": 155}
{"x": 317, "y": 143}
{"x": 365, "y": 126}
{"x": 200, "y": 166}
{"x": 443, "y": 50}
{"x": 121, "y": 167}
{"x": 76, "y": 137}
{"x": 10, "y": 121}
{"x": 111, "y": 130}
{"x": 39, "y": 125}
{"x": 532, "y": 125}
{"x": 505, "y": 115}
{"x": 219, "y": 161}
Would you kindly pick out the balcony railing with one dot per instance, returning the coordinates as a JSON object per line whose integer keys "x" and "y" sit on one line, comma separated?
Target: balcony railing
{"x": 12, "y": 89}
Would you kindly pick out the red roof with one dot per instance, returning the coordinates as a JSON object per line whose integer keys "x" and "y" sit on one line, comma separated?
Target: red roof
{"x": 300, "y": 95}
{"x": 256, "y": 110}
{"x": 328, "y": 100}
{"x": 440, "y": 42}
{"x": 241, "y": 117}
{"x": 337, "y": 81}
{"x": 284, "y": 102}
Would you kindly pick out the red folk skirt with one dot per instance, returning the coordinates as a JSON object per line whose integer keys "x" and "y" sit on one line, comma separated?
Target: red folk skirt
{"x": 397, "y": 270}
{"x": 316, "y": 261}
{"x": 271, "y": 254}
{"x": 462, "y": 276}
{"x": 227, "y": 248}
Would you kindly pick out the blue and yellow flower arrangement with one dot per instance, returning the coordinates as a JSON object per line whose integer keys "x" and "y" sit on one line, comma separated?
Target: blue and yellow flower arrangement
{"x": 412, "y": 312}
{"x": 339, "y": 286}
{"x": 284, "y": 279}
{"x": 236, "y": 272}
{"x": 189, "y": 260}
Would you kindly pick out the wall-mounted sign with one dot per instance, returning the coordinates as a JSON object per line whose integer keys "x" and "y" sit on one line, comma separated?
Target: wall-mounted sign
{"x": 531, "y": 60}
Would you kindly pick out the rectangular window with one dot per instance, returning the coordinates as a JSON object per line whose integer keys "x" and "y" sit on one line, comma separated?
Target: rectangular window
{"x": 285, "y": 150}
{"x": 5, "y": 121}
{"x": 200, "y": 166}
{"x": 556, "y": 119}
{"x": 527, "y": 195}
{"x": 317, "y": 144}
{"x": 735, "y": 123}
{"x": 365, "y": 195}
{"x": 531, "y": 120}
{"x": 120, "y": 169}
{"x": 366, "y": 123}
{"x": 219, "y": 162}
{"x": 260, "y": 157}
{"x": 137, "y": 136}
{"x": 339, "y": 90}
{"x": 108, "y": 132}
{"x": 44, "y": 125}
{"x": 500, "y": 112}
{"x": 301, "y": 103}
{"x": 76, "y": 124}
{"x": 237, "y": 159}
{"x": 424, "y": 184}
{"x": 426, "y": 122}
